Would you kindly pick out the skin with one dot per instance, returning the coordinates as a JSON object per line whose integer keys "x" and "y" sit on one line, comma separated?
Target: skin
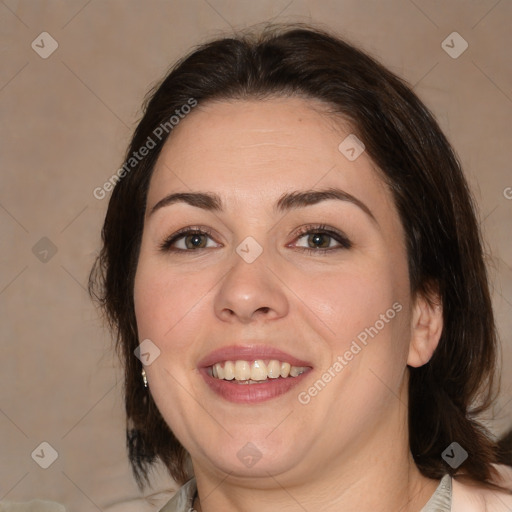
{"x": 347, "y": 449}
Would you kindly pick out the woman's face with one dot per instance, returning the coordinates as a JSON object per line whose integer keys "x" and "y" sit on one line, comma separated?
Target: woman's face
{"x": 300, "y": 300}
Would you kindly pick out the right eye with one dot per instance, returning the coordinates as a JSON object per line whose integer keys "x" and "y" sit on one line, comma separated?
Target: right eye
{"x": 188, "y": 239}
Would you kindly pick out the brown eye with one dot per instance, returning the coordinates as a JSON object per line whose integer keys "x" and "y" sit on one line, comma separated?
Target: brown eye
{"x": 320, "y": 239}
{"x": 195, "y": 241}
{"x": 188, "y": 240}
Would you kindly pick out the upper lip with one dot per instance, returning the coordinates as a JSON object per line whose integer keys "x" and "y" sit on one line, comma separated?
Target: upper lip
{"x": 249, "y": 353}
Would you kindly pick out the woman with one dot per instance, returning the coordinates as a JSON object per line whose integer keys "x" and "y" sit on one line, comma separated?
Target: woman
{"x": 292, "y": 254}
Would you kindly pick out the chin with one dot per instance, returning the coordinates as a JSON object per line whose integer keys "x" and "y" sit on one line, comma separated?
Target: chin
{"x": 250, "y": 462}
{"x": 255, "y": 453}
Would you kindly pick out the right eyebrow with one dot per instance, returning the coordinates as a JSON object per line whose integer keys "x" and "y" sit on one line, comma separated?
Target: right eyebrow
{"x": 206, "y": 201}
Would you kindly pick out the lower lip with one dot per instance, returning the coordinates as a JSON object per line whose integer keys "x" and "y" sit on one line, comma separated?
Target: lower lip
{"x": 251, "y": 393}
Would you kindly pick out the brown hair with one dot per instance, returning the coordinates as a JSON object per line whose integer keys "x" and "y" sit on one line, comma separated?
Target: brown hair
{"x": 429, "y": 189}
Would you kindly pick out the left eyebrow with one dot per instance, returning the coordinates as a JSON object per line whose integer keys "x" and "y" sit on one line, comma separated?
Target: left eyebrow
{"x": 300, "y": 199}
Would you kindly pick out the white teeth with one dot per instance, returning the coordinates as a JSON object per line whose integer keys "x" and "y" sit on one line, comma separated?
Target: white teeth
{"x": 242, "y": 370}
{"x": 258, "y": 370}
{"x": 295, "y": 371}
{"x": 246, "y": 373}
{"x": 219, "y": 371}
{"x": 229, "y": 370}
{"x": 285, "y": 369}
{"x": 274, "y": 369}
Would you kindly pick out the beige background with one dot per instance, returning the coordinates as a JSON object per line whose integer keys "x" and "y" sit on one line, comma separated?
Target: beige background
{"x": 66, "y": 121}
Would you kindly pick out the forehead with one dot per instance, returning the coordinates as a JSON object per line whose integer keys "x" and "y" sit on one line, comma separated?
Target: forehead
{"x": 252, "y": 151}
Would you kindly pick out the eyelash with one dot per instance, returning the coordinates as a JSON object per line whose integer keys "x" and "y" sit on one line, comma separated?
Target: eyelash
{"x": 190, "y": 230}
{"x": 322, "y": 229}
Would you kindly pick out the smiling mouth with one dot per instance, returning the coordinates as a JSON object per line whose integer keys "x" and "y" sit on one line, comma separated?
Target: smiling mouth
{"x": 254, "y": 372}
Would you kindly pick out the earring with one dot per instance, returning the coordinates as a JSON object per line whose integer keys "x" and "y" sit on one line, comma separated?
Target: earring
{"x": 144, "y": 378}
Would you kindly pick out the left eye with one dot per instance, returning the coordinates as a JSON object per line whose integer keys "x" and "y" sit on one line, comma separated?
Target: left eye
{"x": 320, "y": 239}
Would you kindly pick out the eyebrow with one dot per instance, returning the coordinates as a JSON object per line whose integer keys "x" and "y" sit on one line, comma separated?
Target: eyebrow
{"x": 288, "y": 201}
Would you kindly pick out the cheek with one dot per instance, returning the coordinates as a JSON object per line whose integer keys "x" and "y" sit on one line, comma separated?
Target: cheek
{"x": 169, "y": 303}
{"x": 339, "y": 304}
{"x": 366, "y": 308}
{"x": 169, "y": 308}
{"x": 151, "y": 302}
{"x": 367, "y": 312}
{"x": 350, "y": 300}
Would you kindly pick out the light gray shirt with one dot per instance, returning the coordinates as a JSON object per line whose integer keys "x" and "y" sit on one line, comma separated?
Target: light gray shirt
{"x": 441, "y": 500}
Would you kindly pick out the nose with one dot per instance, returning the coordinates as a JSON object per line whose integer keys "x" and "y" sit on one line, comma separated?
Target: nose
{"x": 250, "y": 292}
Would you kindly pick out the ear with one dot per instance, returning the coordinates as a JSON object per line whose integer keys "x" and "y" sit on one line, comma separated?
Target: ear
{"x": 427, "y": 326}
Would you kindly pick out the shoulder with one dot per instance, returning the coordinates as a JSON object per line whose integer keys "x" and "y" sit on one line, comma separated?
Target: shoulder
{"x": 182, "y": 500}
{"x": 468, "y": 497}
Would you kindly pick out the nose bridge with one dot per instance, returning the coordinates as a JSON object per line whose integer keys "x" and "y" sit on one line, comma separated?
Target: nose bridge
{"x": 249, "y": 289}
